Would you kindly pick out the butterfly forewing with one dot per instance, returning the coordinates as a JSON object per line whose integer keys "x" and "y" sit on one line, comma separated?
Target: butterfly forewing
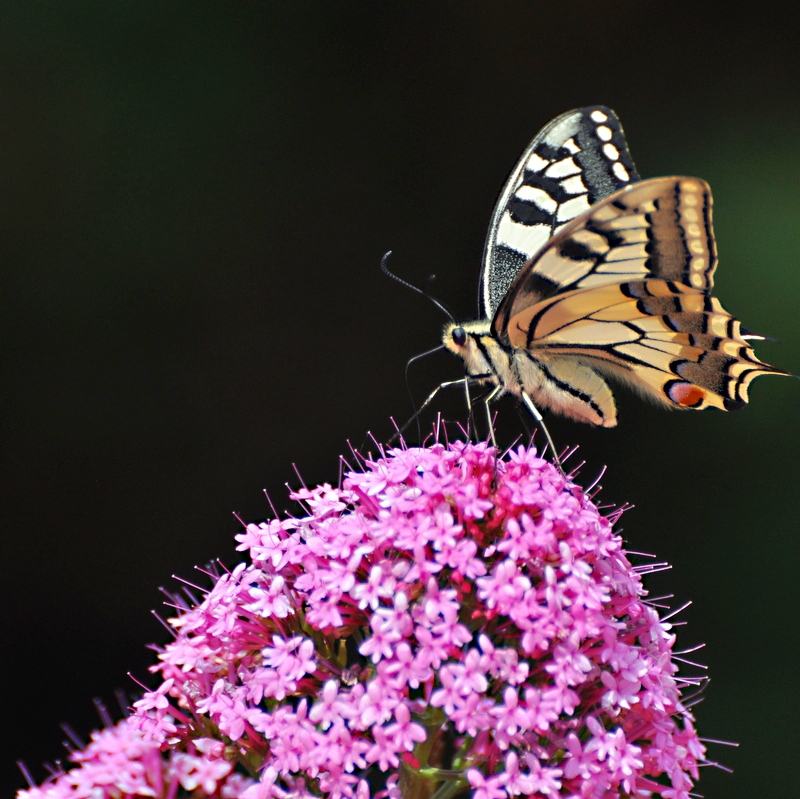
{"x": 575, "y": 161}
{"x": 654, "y": 228}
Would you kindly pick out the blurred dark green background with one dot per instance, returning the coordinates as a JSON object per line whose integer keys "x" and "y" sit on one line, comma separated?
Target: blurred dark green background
{"x": 194, "y": 198}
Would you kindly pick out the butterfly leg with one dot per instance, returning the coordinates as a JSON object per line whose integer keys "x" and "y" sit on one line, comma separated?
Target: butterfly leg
{"x": 470, "y": 415}
{"x": 493, "y": 395}
{"x": 534, "y": 412}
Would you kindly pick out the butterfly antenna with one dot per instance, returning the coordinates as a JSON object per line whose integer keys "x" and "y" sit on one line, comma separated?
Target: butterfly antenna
{"x": 388, "y": 273}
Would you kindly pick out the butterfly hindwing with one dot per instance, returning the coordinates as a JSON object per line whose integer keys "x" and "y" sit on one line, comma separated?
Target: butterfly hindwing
{"x": 575, "y": 161}
{"x": 671, "y": 341}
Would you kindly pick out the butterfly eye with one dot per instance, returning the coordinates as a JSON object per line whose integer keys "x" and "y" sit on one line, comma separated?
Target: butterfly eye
{"x": 459, "y": 336}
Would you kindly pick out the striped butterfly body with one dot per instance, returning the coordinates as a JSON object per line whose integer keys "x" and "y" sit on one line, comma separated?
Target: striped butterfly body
{"x": 590, "y": 272}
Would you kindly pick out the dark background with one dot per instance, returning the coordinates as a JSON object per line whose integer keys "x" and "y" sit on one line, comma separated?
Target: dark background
{"x": 194, "y": 198}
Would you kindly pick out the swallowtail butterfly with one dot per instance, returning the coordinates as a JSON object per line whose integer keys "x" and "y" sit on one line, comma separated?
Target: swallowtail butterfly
{"x": 589, "y": 272}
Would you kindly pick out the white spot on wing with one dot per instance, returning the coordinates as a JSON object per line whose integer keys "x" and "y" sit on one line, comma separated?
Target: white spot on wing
{"x": 540, "y": 197}
{"x": 525, "y": 239}
{"x": 573, "y": 185}
{"x": 563, "y": 131}
{"x": 536, "y": 163}
{"x": 562, "y": 168}
{"x": 599, "y": 116}
{"x": 611, "y": 152}
{"x": 620, "y": 172}
{"x": 570, "y": 145}
{"x": 604, "y": 133}
{"x": 571, "y": 208}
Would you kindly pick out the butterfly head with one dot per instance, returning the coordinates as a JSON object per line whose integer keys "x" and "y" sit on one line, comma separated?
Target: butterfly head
{"x": 474, "y": 344}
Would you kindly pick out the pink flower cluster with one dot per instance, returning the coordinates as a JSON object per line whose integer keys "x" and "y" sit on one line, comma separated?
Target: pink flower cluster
{"x": 447, "y": 621}
{"x": 121, "y": 762}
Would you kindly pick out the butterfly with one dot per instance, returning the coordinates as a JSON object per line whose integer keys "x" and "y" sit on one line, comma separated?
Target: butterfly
{"x": 590, "y": 272}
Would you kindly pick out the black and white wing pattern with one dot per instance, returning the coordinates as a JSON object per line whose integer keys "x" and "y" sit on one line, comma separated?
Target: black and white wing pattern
{"x": 576, "y": 160}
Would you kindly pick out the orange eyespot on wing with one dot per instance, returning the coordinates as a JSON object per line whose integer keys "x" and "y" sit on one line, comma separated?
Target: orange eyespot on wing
{"x": 684, "y": 394}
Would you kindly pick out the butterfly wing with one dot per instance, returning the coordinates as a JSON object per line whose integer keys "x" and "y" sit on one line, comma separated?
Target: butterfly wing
{"x": 576, "y": 160}
{"x": 634, "y": 276}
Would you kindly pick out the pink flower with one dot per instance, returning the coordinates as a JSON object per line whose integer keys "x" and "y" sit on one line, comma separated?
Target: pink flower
{"x": 470, "y": 619}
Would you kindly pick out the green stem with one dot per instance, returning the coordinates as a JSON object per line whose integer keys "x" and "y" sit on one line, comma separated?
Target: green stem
{"x": 421, "y": 783}
{"x": 425, "y": 781}
{"x": 432, "y": 719}
{"x": 450, "y": 788}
